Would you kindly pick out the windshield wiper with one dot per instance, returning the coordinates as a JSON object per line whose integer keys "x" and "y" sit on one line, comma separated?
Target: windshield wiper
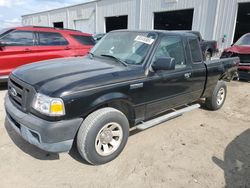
{"x": 116, "y": 58}
{"x": 91, "y": 55}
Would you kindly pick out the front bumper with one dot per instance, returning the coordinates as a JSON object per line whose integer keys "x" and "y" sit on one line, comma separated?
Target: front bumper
{"x": 55, "y": 136}
{"x": 244, "y": 72}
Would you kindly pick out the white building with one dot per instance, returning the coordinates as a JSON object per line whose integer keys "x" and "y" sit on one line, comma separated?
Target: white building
{"x": 215, "y": 19}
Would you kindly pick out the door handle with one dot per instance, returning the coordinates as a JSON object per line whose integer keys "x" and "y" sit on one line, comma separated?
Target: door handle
{"x": 188, "y": 75}
{"x": 27, "y": 50}
{"x": 67, "y": 48}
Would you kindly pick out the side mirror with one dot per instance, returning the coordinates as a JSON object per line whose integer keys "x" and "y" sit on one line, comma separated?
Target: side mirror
{"x": 164, "y": 64}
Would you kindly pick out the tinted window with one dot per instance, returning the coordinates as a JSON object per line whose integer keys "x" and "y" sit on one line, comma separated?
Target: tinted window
{"x": 85, "y": 40}
{"x": 172, "y": 46}
{"x": 4, "y": 32}
{"x": 197, "y": 34}
{"x": 245, "y": 40}
{"x": 51, "y": 39}
{"x": 18, "y": 38}
{"x": 195, "y": 50}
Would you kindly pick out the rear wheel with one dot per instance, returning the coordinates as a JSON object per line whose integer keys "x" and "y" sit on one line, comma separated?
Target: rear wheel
{"x": 102, "y": 136}
{"x": 218, "y": 97}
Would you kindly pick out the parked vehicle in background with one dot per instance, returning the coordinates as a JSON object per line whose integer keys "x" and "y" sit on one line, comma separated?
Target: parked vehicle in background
{"x": 209, "y": 47}
{"x": 241, "y": 49}
{"x": 23, "y": 45}
{"x": 98, "y": 36}
{"x": 129, "y": 79}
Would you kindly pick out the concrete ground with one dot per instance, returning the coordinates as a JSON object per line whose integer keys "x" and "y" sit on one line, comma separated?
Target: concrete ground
{"x": 200, "y": 149}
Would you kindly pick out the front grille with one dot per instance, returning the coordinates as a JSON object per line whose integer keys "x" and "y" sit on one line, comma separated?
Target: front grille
{"x": 20, "y": 93}
{"x": 244, "y": 58}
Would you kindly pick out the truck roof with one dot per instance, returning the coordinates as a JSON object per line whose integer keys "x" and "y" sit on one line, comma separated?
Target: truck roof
{"x": 181, "y": 32}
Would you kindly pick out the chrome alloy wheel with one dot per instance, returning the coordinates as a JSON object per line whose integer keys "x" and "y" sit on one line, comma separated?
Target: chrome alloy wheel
{"x": 221, "y": 96}
{"x": 108, "y": 139}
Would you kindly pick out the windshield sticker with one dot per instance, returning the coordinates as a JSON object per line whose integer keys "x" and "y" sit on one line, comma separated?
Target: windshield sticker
{"x": 145, "y": 40}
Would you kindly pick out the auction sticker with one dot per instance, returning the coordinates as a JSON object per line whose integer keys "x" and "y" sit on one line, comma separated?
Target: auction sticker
{"x": 145, "y": 40}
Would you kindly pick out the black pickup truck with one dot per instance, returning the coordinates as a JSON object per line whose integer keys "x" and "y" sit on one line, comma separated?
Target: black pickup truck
{"x": 208, "y": 47}
{"x": 129, "y": 79}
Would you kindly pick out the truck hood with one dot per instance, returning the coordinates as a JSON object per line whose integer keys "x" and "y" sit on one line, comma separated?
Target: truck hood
{"x": 60, "y": 76}
{"x": 239, "y": 49}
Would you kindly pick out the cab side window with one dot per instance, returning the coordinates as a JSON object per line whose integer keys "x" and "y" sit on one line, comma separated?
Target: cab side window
{"x": 195, "y": 50}
{"x": 18, "y": 38}
{"x": 172, "y": 46}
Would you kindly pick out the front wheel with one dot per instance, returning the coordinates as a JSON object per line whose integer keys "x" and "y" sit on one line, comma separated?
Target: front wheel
{"x": 218, "y": 97}
{"x": 102, "y": 136}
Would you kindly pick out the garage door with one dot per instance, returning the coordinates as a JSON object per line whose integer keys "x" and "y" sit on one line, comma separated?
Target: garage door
{"x": 243, "y": 21}
{"x": 116, "y": 22}
{"x": 174, "y": 20}
{"x": 86, "y": 25}
{"x": 58, "y": 24}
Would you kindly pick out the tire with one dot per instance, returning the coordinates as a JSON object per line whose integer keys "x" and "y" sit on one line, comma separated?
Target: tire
{"x": 218, "y": 96}
{"x": 102, "y": 136}
{"x": 208, "y": 55}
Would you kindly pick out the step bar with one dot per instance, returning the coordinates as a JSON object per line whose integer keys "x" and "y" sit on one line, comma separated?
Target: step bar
{"x": 164, "y": 118}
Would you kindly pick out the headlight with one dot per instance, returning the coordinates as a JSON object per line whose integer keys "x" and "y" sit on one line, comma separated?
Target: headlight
{"x": 227, "y": 54}
{"x": 48, "y": 106}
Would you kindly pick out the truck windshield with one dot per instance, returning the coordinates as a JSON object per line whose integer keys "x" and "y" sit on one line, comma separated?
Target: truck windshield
{"x": 244, "y": 41}
{"x": 129, "y": 47}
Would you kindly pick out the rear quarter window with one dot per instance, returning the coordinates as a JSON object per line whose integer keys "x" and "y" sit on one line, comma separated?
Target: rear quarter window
{"x": 85, "y": 40}
{"x": 195, "y": 50}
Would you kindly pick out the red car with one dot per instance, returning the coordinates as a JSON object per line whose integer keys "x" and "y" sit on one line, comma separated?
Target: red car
{"x": 241, "y": 49}
{"x": 23, "y": 45}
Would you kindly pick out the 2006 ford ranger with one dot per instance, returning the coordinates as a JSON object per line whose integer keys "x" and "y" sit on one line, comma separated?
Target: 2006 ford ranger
{"x": 129, "y": 79}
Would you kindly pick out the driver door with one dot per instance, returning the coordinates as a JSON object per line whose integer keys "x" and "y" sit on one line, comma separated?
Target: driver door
{"x": 167, "y": 89}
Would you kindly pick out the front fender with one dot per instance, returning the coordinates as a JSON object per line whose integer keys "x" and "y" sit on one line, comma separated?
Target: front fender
{"x": 108, "y": 98}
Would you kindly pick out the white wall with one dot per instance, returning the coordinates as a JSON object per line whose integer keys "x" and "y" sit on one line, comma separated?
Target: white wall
{"x": 204, "y": 14}
{"x": 84, "y": 14}
{"x": 69, "y": 16}
{"x": 213, "y": 18}
{"x": 204, "y": 11}
{"x": 226, "y": 21}
{"x": 108, "y": 8}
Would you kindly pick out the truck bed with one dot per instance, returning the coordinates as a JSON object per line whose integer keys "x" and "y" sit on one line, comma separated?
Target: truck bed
{"x": 219, "y": 69}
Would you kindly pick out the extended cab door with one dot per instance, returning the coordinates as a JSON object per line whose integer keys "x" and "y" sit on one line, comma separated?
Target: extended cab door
{"x": 199, "y": 75}
{"x": 17, "y": 50}
{"x": 166, "y": 89}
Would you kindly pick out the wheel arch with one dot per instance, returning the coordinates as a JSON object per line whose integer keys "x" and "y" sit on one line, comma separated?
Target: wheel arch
{"x": 115, "y": 100}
